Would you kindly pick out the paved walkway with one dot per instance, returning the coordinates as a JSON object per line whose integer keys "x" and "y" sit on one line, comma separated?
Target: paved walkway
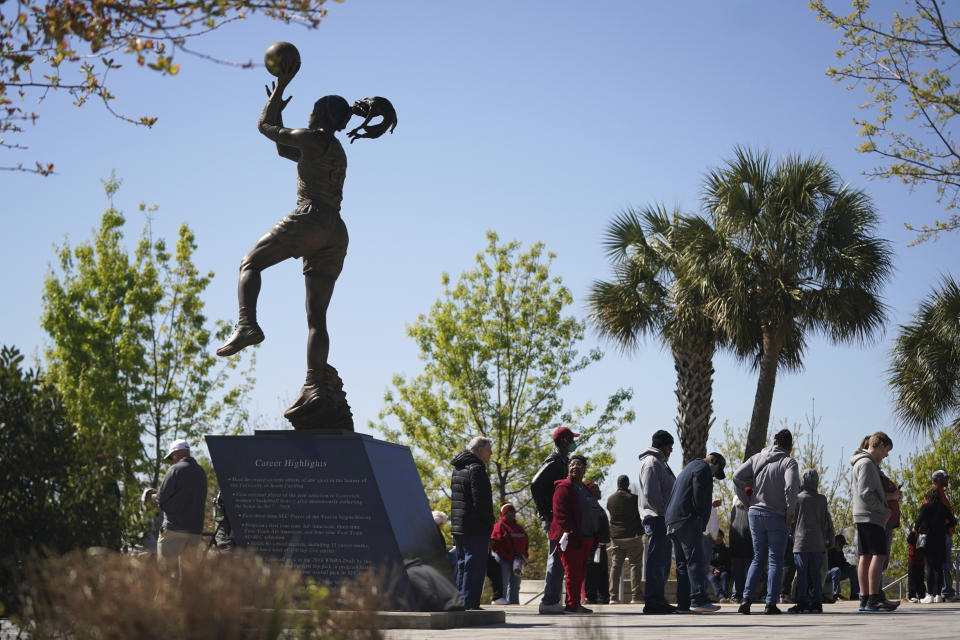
{"x": 621, "y": 622}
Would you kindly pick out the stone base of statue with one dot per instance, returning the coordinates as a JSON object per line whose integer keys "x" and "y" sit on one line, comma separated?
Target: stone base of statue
{"x": 336, "y": 506}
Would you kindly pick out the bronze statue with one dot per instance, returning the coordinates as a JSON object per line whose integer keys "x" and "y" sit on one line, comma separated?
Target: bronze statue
{"x": 313, "y": 231}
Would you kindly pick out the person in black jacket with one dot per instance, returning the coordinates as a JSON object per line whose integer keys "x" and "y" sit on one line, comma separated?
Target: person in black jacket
{"x": 471, "y": 517}
{"x": 934, "y": 519}
{"x": 626, "y": 533}
{"x": 553, "y": 468}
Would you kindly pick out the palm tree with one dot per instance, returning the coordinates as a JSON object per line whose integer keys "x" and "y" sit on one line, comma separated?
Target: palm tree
{"x": 645, "y": 247}
{"x": 800, "y": 253}
{"x": 925, "y": 368}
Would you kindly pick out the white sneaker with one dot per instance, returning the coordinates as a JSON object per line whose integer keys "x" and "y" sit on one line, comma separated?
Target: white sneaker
{"x": 914, "y": 600}
{"x": 928, "y": 599}
{"x": 500, "y": 601}
{"x": 938, "y": 599}
{"x": 551, "y": 609}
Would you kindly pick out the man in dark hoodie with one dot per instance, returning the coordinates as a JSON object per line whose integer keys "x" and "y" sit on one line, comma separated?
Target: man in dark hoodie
{"x": 544, "y": 484}
{"x": 471, "y": 517}
{"x": 768, "y": 482}
{"x": 686, "y": 517}
{"x": 812, "y": 532}
{"x": 656, "y": 483}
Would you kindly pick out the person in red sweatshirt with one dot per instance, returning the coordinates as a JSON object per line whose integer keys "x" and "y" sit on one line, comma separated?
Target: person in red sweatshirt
{"x": 509, "y": 543}
{"x": 573, "y": 530}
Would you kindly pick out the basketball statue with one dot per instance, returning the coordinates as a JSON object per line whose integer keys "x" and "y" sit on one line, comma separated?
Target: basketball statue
{"x": 314, "y": 231}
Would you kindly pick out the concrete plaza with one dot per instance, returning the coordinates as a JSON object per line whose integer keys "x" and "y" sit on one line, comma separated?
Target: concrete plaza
{"x": 614, "y": 622}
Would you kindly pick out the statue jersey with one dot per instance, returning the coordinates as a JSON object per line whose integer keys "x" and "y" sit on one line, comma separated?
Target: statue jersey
{"x": 320, "y": 176}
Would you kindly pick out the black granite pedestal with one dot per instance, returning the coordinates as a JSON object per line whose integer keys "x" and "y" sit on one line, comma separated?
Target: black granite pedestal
{"x": 335, "y": 506}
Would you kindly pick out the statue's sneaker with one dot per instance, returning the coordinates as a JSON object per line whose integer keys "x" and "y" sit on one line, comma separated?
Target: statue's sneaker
{"x": 311, "y": 397}
{"x": 244, "y": 335}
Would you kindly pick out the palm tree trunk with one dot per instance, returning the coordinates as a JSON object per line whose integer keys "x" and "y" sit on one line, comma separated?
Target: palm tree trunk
{"x": 760, "y": 420}
{"x": 694, "y": 367}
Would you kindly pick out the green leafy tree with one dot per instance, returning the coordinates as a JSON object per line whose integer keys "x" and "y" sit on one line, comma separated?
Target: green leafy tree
{"x": 131, "y": 348}
{"x": 53, "y": 494}
{"x": 646, "y": 297}
{"x": 796, "y": 251}
{"x": 907, "y": 67}
{"x": 925, "y": 363}
{"x": 73, "y": 46}
{"x": 498, "y": 352}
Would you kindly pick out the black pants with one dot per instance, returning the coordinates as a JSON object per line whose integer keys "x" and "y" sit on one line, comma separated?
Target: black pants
{"x": 596, "y": 585}
{"x": 495, "y": 576}
{"x": 915, "y": 587}
{"x": 934, "y": 575}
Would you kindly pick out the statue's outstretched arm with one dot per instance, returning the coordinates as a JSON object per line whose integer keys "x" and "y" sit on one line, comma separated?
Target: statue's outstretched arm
{"x": 273, "y": 115}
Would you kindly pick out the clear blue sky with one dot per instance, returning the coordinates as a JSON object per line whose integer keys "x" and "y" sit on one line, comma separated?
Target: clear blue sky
{"x": 537, "y": 120}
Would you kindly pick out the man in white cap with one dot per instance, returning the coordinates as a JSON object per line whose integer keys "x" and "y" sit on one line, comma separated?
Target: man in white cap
{"x": 941, "y": 480}
{"x": 183, "y": 498}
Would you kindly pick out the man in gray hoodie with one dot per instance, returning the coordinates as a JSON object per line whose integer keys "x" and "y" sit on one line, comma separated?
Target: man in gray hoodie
{"x": 656, "y": 483}
{"x": 870, "y": 514}
{"x": 768, "y": 483}
{"x": 812, "y": 532}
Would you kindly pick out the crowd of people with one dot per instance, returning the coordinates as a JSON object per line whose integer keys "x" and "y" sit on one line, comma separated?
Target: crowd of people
{"x": 782, "y": 544}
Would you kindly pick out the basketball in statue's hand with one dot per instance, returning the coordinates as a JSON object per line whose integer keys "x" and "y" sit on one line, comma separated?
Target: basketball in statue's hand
{"x": 282, "y": 57}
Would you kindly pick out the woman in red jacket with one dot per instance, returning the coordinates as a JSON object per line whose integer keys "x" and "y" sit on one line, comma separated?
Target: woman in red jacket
{"x": 509, "y": 544}
{"x": 573, "y": 529}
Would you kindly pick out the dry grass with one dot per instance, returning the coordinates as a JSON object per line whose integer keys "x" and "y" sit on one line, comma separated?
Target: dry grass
{"x": 100, "y": 595}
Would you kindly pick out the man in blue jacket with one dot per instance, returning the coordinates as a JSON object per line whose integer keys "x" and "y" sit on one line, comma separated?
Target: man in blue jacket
{"x": 687, "y": 513}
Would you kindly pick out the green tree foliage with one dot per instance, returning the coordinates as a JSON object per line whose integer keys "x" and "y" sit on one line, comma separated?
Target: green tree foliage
{"x": 54, "y": 496}
{"x": 73, "y": 46}
{"x": 907, "y": 67}
{"x": 925, "y": 363}
{"x": 646, "y": 297}
{"x": 131, "y": 349}
{"x": 794, "y": 250}
{"x": 942, "y": 451}
{"x": 498, "y": 352}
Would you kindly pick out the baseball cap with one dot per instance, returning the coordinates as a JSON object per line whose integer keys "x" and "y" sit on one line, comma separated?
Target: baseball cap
{"x": 177, "y": 445}
{"x": 940, "y": 473}
{"x": 564, "y": 432}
